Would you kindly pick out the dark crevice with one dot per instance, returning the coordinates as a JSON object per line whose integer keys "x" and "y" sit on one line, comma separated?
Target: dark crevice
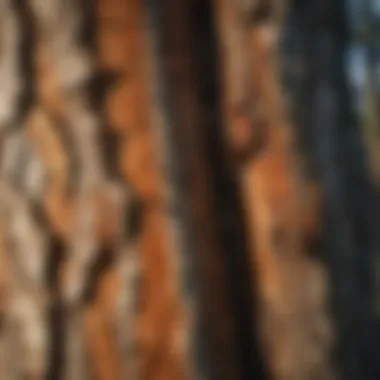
{"x": 104, "y": 260}
{"x": 103, "y": 82}
{"x": 27, "y": 47}
{"x": 259, "y": 11}
{"x": 229, "y": 214}
{"x": 194, "y": 59}
{"x": 164, "y": 46}
{"x": 133, "y": 222}
{"x": 55, "y": 311}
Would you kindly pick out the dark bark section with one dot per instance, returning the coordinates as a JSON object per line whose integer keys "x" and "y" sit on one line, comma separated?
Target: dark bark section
{"x": 316, "y": 43}
{"x": 205, "y": 179}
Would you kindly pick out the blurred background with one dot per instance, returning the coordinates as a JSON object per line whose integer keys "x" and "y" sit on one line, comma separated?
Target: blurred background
{"x": 189, "y": 189}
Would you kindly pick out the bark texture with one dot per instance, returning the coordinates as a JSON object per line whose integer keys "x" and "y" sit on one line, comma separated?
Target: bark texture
{"x": 159, "y": 217}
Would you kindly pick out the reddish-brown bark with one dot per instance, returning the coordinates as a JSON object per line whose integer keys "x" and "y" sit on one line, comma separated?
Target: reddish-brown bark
{"x": 281, "y": 211}
{"x": 122, "y": 47}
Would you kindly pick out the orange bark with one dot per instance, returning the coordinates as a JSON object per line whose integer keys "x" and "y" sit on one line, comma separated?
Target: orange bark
{"x": 122, "y": 48}
{"x": 282, "y": 211}
{"x": 121, "y": 45}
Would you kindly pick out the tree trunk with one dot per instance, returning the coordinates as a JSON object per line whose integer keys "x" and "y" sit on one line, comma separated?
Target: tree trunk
{"x": 160, "y": 216}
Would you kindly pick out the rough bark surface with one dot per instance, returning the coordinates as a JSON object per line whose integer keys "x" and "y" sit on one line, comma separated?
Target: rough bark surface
{"x": 281, "y": 205}
{"x": 157, "y": 218}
